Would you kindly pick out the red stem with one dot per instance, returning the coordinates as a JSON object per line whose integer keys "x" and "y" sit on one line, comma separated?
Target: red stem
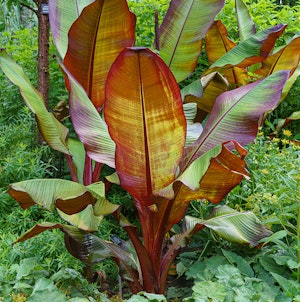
{"x": 72, "y": 168}
{"x": 148, "y": 276}
{"x": 87, "y": 174}
{"x": 96, "y": 172}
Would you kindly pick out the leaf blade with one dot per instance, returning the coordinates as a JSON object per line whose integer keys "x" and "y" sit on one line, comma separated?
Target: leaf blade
{"x": 179, "y": 43}
{"x": 146, "y": 161}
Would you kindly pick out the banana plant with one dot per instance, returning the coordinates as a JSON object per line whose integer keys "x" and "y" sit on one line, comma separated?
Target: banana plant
{"x": 127, "y": 110}
{"x": 233, "y": 61}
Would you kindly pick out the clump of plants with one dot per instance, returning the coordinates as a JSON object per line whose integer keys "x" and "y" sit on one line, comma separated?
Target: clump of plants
{"x": 167, "y": 146}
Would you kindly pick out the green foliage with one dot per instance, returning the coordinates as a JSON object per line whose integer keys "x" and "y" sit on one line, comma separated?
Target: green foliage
{"x": 145, "y": 14}
{"x": 265, "y": 14}
{"x": 14, "y": 16}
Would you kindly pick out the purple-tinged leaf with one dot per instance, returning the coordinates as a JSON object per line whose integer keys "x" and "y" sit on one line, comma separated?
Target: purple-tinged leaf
{"x": 62, "y": 14}
{"x": 181, "y": 33}
{"x": 88, "y": 124}
{"x": 236, "y": 113}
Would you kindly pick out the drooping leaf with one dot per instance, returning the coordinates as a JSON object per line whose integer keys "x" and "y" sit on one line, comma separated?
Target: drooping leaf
{"x": 210, "y": 177}
{"x": 251, "y": 51}
{"x": 92, "y": 249}
{"x": 85, "y": 219}
{"x": 68, "y": 196}
{"x": 181, "y": 33}
{"x": 290, "y": 82}
{"x": 62, "y": 14}
{"x": 37, "y": 229}
{"x": 217, "y": 45}
{"x": 281, "y": 123}
{"x": 54, "y": 133}
{"x": 287, "y": 58}
{"x": 243, "y": 108}
{"x": 239, "y": 227}
{"x": 147, "y": 124}
{"x": 88, "y": 124}
{"x": 96, "y": 38}
{"x": 102, "y": 205}
{"x": 245, "y": 23}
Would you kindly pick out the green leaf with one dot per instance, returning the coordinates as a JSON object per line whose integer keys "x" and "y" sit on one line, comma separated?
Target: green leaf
{"x": 240, "y": 262}
{"x": 45, "y": 290}
{"x": 243, "y": 228}
{"x": 143, "y": 296}
{"x": 180, "y": 35}
{"x": 245, "y": 23}
{"x": 54, "y": 133}
{"x": 88, "y": 124}
{"x": 78, "y": 156}
{"x": 253, "y": 50}
{"x": 209, "y": 291}
{"x": 26, "y": 267}
{"x": 68, "y": 196}
{"x": 274, "y": 237}
{"x": 291, "y": 287}
{"x": 84, "y": 220}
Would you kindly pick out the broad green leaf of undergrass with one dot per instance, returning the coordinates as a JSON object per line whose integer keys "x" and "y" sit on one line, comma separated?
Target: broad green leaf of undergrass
{"x": 205, "y": 291}
{"x": 290, "y": 287}
{"x": 144, "y": 297}
{"x": 54, "y": 133}
{"x": 240, "y": 262}
{"x": 45, "y": 290}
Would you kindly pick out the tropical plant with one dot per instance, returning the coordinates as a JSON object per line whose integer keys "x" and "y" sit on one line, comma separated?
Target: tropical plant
{"x": 127, "y": 111}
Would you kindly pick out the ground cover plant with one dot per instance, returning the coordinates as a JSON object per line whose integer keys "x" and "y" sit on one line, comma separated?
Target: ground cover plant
{"x": 148, "y": 204}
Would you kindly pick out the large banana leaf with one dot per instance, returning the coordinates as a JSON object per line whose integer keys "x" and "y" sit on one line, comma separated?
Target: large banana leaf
{"x": 217, "y": 45}
{"x": 238, "y": 227}
{"x": 96, "y": 38}
{"x": 180, "y": 35}
{"x": 237, "y": 112}
{"x": 145, "y": 118}
{"x": 209, "y": 170}
{"x": 233, "y": 226}
{"x": 62, "y": 14}
{"x": 54, "y": 133}
{"x": 88, "y": 124}
{"x": 211, "y": 177}
{"x": 68, "y": 196}
{"x": 245, "y": 23}
{"x": 287, "y": 58}
{"x": 251, "y": 51}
